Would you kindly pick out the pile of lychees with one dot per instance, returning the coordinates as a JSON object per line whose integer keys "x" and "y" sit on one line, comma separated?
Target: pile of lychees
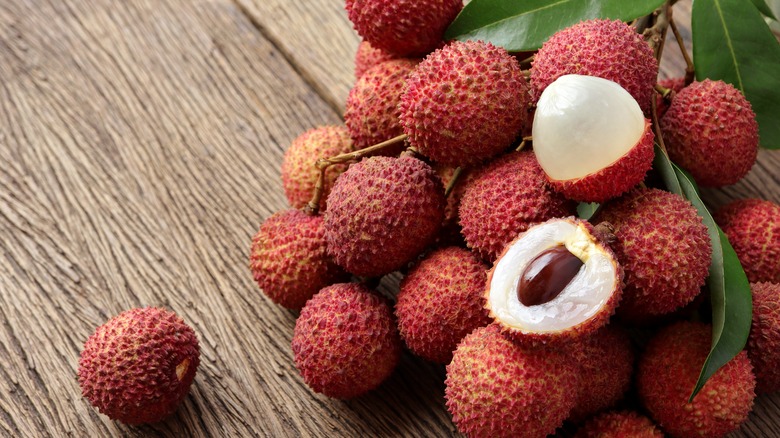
{"x": 472, "y": 193}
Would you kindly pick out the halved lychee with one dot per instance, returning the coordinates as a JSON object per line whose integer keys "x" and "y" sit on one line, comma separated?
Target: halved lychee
{"x": 591, "y": 138}
{"x": 556, "y": 281}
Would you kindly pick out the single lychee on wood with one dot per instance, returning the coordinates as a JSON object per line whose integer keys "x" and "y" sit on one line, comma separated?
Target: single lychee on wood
{"x": 619, "y": 424}
{"x": 138, "y": 367}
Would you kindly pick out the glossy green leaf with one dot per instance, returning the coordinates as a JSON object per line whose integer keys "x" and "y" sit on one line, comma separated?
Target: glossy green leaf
{"x": 586, "y": 210}
{"x": 764, "y": 8}
{"x": 521, "y": 25}
{"x": 732, "y": 42}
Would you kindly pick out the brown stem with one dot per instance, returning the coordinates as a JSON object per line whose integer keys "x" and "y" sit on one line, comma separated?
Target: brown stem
{"x": 323, "y": 163}
{"x": 690, "y": 71}
{"x": 656, "y": 35}
{"x": 453, "y": 180}
{"x": 656, "y": 126}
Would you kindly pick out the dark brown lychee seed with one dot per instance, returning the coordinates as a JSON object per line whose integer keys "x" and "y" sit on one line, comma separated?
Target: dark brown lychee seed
{"x": 547, "y": 275}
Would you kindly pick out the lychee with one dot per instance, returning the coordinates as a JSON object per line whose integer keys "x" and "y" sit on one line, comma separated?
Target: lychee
{"x": 619, "y": 424}
{"x": 299, "y": 174}
{"x": 382, "y": 213}
{"x": 496, "y": 388}
{"x": 608, "y": 49}
{"x": 371, "y": 113}
{"x": 464, "y": 103}
{"x": 675, "y": 85}
{"x": 345, "y": 342}
{"x": 753, "y": 229}
{"x": 440, "y": 302}
{"x": 664, "y": 248}
{"x": 591, "y": 138}
{"x": 558, "y": 281}
{"x": 764, "y": 341}
{"x": 138, "y": 367}
{"x": 668, "y": 371}
{"x": 505, "y": 197}
{"x": 710, "y": 130}
{"x": 403, "y": 27}
{"x": 289, "y": 259}
{"x": 368, "y": 56}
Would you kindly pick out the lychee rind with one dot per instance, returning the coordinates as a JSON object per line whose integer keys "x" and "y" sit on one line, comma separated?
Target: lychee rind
{"x": 138, "y": 367}
{"x": 668, "y": 371}
{"x": 664, "y": 248}
{"x": 619, "y": 424}
{"x": 764, "y": 341}
{"x": 440, "y": 302}
{"x": 345, "y": 341}
{"x": 371, "y": 113}
{"x": 753, "y": 229}
{"x": 289, "y": 259}
{"x": 368, "y": 56}
{"x": 299, "y": 174}
{"x": 608, "y": 49}
{"x": 464, "y": 103}
{"x": 403, "y": 27}
{"x": 505, "y": 197}
{"x": 710, "y": 130}
{"x": 383, "y": 212}
{"x": 496, "y": 388}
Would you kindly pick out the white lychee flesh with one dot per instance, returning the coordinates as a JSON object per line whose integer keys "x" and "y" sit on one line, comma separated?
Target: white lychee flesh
{"x": 583, "y": 124}
{"x": 585, "y": 296}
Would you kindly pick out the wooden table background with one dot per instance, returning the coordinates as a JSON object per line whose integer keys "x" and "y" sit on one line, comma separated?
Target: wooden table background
{"x": 140, "y": 145}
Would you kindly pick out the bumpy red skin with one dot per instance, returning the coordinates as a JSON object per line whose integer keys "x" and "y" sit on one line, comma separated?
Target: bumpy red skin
{"x": 664, "y": 248}
{"x": 504, "y": 198}
{"x": 619, "y": 424}
{"x": 753, "y": 229}
{"x": 299, "y": 175}
{"x": 345, "y": 341}
{"x": 608, "y": 362}
{"x": 450, "y": 234}
{"x": 495, "y": 388}
{"x": 574, "y": 334}
{"x": 456, "y": 120}
{"x": 710, "y": 129}
{"x": 382, "y": 213}
{"x": 764, "y": 341}
{"x": 608, "y": 49}
{"x": 668, "y": 371}
{"x": 368, "y": 56}
{"x": 440, "y": 302}
{"x": 128, "y": 367}
{"x": 289, "y": 259}
{"x": 371, "y": 113}
{"x": 615, "y": 179}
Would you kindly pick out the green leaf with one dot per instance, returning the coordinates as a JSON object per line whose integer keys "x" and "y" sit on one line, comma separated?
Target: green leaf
{"x": 732, "y": 42}
{"x": 521, "y": 25}
{"x": 586, "y": 210}
{"x": 764, "y": 8}
{"x": 663, "y": 165}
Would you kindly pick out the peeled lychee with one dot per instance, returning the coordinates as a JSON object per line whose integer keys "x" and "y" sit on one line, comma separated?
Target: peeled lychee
{"x": 371, "y": 113}
{"x": 591, "y": 138}
{"x": 289, "y": 260}
{"x": 464, "y": 103}
{"x": 619, "y": 424}
{"x": 137, "y": 367}
{"x": 764, "y": 341}
{"x": 403, "y": 27}
{"x": 753, "y": 229}
{"x": 496, "y": 388}
{"x": 608, "y": 49}
{"x": 664, "y": 248}
{"x": 440, "y": 302}
{"x": 368, "y": 56}
{"x": 668, "y": 371}
{"x": 504, "y": 198}
{"x": 382, "y": 213}
{"x": 299, "y": 174}
{"x": 345, "y": 341}
{"x": 558, "y": 281}
{"x": 710, "y": 130}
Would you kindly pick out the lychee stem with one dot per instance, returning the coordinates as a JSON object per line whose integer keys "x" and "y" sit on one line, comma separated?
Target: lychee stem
{"x": 656, "y": 35}
{"x": 323, "y": 163}
{"x": 656, "y": 126}
{"x": 690, "y": 70}
{"x": 453, "y": 180}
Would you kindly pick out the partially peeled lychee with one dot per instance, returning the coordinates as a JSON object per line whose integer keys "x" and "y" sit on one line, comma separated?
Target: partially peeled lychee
{"x": 591, "y": 138}
{"x": 557, "y": 281}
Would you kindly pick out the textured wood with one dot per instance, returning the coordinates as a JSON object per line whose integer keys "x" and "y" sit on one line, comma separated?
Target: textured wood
{"x": 140, "y": 144}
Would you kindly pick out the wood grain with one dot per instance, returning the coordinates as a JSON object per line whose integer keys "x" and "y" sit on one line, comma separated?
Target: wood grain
{"x": 140, "y": 144}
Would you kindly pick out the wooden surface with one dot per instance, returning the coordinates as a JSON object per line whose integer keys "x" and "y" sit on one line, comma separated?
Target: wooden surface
{"x": 140, "y": 145}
